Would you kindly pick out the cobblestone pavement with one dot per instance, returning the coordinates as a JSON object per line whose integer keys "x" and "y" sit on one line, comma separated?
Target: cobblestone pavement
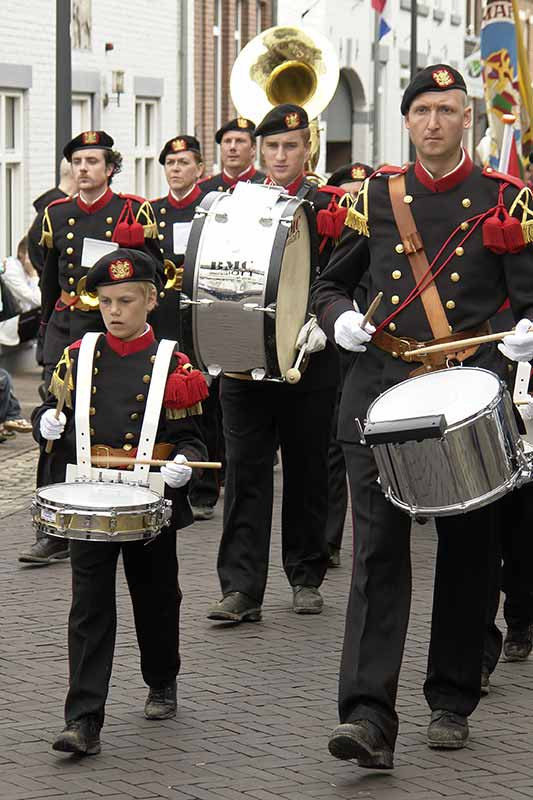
{"x": 256, "y": 702}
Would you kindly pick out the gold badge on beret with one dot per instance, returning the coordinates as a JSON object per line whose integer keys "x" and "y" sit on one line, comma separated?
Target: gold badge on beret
{"x": 120, "y": 269}
{"x": 178, "y": 145}
{"x": 242, "y": 122}
{"x": 292, "y": 120}
{"x": 358, "y": 173}
{"x": 443, "y": 78}
{"x": 90, "y": 137}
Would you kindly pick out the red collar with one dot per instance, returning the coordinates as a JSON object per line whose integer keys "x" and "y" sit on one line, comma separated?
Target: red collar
{"x": 187, "y": 200}
{"x": 100, "y": 203}
{"x": 244, "y": 176}
{"x": 449, "y": 181}
{"x": 292, "y": 188}
{"x": 123, "y": 348}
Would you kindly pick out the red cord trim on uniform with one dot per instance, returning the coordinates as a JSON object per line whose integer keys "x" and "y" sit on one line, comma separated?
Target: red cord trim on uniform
{"x": 429, "y": 275}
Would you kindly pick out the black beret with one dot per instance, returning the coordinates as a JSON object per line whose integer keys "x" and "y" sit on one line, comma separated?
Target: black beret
{"x": 349, "y": 173}
{"x": 237, "y": 124}
{"x": 280, "y": 119}
{"x": 180, "y": 144}
{"x": 88, "y": 140}
{"x": 123, "y": 265}
{"x": 436, "y": 78}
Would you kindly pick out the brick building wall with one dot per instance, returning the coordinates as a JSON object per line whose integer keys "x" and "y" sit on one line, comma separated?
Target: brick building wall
{"x": 253, "y": 14}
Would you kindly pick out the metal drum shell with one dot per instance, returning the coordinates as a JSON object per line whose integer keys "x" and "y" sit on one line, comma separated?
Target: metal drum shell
{"x": 477, "y": 461}
{"x": 124, "y": 523}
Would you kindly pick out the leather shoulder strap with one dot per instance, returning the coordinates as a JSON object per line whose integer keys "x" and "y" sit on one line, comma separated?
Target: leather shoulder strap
{"x": 414, "y": 250}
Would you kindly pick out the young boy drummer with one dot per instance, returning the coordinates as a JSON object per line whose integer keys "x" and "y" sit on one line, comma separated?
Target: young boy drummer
{"x": 120, "y": 375}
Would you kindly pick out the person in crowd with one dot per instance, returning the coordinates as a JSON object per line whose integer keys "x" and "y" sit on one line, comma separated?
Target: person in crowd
{"x": 237, "y": 153}
{"x": 65, "y": 188}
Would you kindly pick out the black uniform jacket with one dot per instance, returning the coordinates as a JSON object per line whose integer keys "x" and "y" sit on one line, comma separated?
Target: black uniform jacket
{"x": 68, "y": 221}
{"x": 472, "y": 286}
{"x": 119, "y": 391}
{"x": 221, "y": 182}
{"x": 36, "y": 251}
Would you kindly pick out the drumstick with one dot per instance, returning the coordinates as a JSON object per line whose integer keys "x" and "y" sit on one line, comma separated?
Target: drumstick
{"x": 371, "y": 308}
{"x": 293, "y": 374}
{"x": 60, "y": 403}
{"x": 460, "y": 344}
{"x": 152, "y": 462}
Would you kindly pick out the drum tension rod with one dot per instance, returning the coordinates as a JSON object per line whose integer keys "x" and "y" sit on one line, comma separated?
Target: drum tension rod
{"x": 270, "y": 309}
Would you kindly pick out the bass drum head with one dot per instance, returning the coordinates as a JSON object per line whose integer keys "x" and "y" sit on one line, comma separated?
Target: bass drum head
{"x": 293, "y": 289}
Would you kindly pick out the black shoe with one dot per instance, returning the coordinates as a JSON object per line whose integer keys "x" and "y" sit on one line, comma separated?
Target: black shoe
{"x": 518, "y": 643}
{"x": 307, "y": 600}
{"x": 334, "y": 559}
{"x": 236, "y": 607}
{"x": 203, "y": 512}
{"x": 361, "y": 740}
{"x": 485, "y": 682}
{"x": 80, "y": 736}
{"x": 161, "y": 703}
{"x": 44, "y": 551}
{"x": 447, "y": 730}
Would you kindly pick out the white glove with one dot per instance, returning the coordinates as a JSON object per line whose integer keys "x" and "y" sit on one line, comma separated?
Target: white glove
{"x": 518, "y": 346}
{"x": 312, "y": 335}
{"x": 50, "y": 427}
{"x": 349, "y": 333}
{"x": 175, "y": 474}
{"x": 526, "y": 409}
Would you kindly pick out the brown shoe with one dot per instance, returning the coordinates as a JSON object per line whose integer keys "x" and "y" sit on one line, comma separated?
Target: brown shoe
{"x": 18, "y": 425}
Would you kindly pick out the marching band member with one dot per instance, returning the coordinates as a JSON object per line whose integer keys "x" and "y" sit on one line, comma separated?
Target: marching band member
{"x": 474, "y": 225}
{"x": 182, "y": 160}
{"x": 257, "y": 414}
{"x": 71, "y": 224}
{"x": 237, "y": 153}
{"x": 126, "y": 284}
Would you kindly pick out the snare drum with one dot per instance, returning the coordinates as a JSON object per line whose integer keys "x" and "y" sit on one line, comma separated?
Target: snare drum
{"x": 446, "y": 442}
{"x": 246, "y": 280}
{"x": 99, "y": 512}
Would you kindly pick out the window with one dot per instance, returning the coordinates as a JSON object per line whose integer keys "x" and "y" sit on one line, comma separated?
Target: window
{"x": 11, "y": 184}
{"x": 258, "y": 16}
{"x": 238, "y": 27}
{"x": 217, "y": 41}
{"x": 82, "y": 118}
{"x": 146, "y": 137}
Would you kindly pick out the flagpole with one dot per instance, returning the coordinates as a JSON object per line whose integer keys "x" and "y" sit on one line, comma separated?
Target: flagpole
{"x": 413, "y": 61}
{"x": 377, "y": 110}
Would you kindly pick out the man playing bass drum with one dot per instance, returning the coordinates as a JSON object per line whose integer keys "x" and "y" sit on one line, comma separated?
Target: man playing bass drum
{"x": 256, "y": 415}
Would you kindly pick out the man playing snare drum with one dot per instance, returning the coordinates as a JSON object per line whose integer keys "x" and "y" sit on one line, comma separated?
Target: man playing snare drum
{"x": 478, "y": 256}
{"x": 259, "y": 414}
{"x": 125, "y": 282}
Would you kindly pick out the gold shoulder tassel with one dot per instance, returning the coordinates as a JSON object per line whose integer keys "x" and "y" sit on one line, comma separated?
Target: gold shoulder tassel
{"x": 47, "y": 234}
{"x": 146, "y": 217}
{"x": 358, "y": 220}
{"x": 57, "y": 381}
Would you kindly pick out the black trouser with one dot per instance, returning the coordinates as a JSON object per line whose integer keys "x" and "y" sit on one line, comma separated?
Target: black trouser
{"x": 516, "y": 580}
{"x": 380, "y": 597}
{"x": 337, "y": 486}
{"x": 257, "y": 416}
{"x": 152, "y": 575}
{"x": 205, "y": 484}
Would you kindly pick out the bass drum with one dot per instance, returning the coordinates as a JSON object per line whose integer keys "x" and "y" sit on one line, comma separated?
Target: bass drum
{"x": 248, "y": 269}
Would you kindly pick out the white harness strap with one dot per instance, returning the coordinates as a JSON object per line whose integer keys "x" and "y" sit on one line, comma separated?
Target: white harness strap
{"x": 521, "y": 384}
{"x": 153, "y": 407}
{"x": 83, "y": 402}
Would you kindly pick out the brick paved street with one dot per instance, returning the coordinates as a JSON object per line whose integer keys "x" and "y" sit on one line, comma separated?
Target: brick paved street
{"x": 257, "y": 702}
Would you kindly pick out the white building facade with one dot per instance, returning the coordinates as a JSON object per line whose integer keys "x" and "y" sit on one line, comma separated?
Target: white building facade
{"x": 349, "y": 128}
{"x": 132, "y": 75}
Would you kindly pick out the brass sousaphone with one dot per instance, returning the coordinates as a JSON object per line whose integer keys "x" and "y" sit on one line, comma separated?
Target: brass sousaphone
{"x": 286, "y": 65}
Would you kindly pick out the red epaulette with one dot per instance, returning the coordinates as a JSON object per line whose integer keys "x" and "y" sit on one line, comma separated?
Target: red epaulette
{"x": 335, "y": 191}
{"x": 489, "y": 172}
{"x": 59, "y": 200}
{"x": 203, "y": 180}
{"x": 390, "y": 169}
{"x": 157, "y": 199}
{"x": 140, "y": 200}
{"x": 75, "y": 345}
{"x": 185, "y": 386}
